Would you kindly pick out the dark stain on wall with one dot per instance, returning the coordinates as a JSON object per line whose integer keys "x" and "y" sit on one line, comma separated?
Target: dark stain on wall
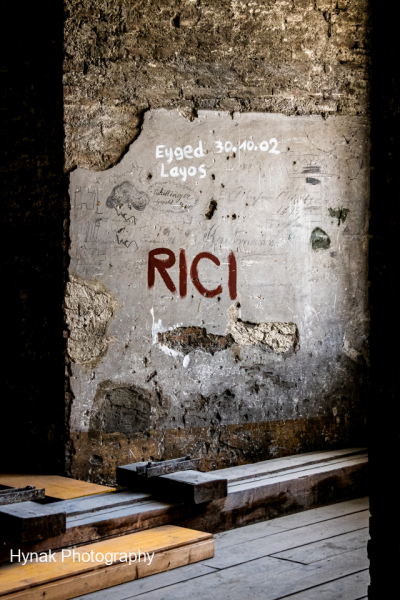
{"x": 124, "y": 410}
{"x": 339, "y": 213}
{"x": 319, "y": 239}
{"x": 212, "y": 207}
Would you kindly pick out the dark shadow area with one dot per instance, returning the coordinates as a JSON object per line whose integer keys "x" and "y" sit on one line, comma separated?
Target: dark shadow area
{"x": 384, "y": 406}
{"x": 33, "y": 208}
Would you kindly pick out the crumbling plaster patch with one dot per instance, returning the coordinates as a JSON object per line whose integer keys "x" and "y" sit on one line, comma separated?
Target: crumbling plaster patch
{"x": 88, "y": 309}
{"x": 281, "y": 338}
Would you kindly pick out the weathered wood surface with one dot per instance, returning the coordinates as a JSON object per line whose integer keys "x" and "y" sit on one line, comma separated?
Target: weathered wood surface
{"x": 14, "y": 495}
{"x": 267, "y": 467}
{"x": 326, "y": 548}
{"x": 88, "y": 505}
{"x": 294, "y": 521}
{"x": 271, "y": 497}
{"x": 66, "y": 576}
{"x": 270, "y": 579}
{"x": 191, "y": 487}
{"x": 28, "y": 521}
{"x": 279, "y": 541}
{"x": 252, "y": 501}
{"x": 57, "y": 487}
{"x": 244, "y": 568}
{"x": 265, "y": 578}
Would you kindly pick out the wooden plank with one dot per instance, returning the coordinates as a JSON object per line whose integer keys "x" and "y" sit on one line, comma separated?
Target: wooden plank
{"x": 67, "y": 576}
{"x": 346, "y": 588}
{"x": 126, "y": 515}
{"x": 158, "y": 580}
{"x": 332, "y": 546}
{"x": 62, "y": 488}
{"x": 295, "y": 475}
{"x": 87, "y": 505}
{"x": 263, "y": 579}
{"x": 300, "y": 470}
{"x": 287, "y": 462}
{"x": 285, "y": 540}
{"x": 308, "y": 517}
{"x": 28, "y": 521}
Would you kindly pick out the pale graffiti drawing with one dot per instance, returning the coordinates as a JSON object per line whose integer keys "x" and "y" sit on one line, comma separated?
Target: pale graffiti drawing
{"x": 125, "y": 198}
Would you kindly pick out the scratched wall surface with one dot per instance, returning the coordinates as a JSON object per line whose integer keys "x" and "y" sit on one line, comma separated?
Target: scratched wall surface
{"x": 217, "y": 299}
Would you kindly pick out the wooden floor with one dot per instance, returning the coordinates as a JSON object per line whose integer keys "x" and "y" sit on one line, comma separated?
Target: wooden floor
{"x": 317, "y": 554}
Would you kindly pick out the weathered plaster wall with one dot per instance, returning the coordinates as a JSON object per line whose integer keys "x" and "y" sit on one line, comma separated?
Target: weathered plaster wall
{"x": 285, "y": 371}
{"x": 284, "y": 56}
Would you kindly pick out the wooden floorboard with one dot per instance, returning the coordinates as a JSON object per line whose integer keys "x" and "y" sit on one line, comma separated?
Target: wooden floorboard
{"x": 280, "y": 541}
{"x": 332, "y": 546}
{"x": 316, "y": 554}
{"x": 346, "y": 588}
{"x": 149, "y": 584}
{"x": 263, "y": 579}
{"x": 308, "y": 517}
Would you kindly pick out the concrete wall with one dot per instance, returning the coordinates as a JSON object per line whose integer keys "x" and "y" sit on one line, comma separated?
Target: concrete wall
{"x": 260, "y": 350}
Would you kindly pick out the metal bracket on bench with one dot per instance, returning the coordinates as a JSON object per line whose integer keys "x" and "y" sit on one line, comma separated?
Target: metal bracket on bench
{"x": 13, "y": 495}
{"x": 166, "y": 467}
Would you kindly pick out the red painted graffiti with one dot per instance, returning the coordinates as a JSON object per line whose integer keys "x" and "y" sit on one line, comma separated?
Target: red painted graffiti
{"x": 194, "y": 275}
{"x": 163, "y": 264}
{"x": 182, "y": 274}
{"x": 232, "y": 278}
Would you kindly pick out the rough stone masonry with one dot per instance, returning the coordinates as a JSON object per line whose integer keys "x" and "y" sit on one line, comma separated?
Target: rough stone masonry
{"x": 217, "y": 302}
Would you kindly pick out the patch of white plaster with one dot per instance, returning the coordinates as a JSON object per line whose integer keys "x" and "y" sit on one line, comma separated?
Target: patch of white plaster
{"x": 157, "y": 328}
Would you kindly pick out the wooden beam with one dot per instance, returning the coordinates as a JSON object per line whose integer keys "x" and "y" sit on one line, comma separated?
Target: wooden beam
{"x": 28, "y": 521}
{"x": 192, "y": 487}
{"x": 189, "y": 486}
